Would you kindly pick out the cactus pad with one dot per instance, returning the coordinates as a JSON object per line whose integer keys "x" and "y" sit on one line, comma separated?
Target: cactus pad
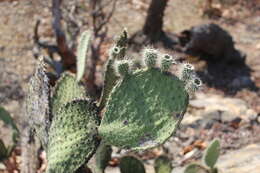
{"x": 72, "y": 136}
{"x": 81, "y": 53}
{"x": 195, "y": 168}
{"x": 162, "y": 164}
{"x": 110, "y": 78}
{"x": 211, "y": 154}
{"x": 144, "y": 109}
{"x": 130, "y": 164}
{"x": 66, "y": 90}
{"x": 103, "y": 156}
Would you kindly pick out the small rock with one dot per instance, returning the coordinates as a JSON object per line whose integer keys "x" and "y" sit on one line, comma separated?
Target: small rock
{"x": 228, "y": 117}
{"x": 209, "y": 119}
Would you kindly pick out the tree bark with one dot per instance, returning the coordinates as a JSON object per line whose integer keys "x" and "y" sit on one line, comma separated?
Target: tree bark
{"x": 153, "y": 26}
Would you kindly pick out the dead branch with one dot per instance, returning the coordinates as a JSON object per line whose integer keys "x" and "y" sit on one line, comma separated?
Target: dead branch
{"x": 51, "y": 49}
{"x": 100, "y": 20}
{"x": 68, "y": 57}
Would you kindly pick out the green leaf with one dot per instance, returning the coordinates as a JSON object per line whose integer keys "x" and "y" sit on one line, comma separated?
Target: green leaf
{"x": 163, "y": 165}
{"x": 130, "y": 164}
{"x": 72, "y": 137}
{"x": 211, "y": 154}
{"x": 66, "y": 90}
{"x": 81, "y": 53}
{"x": 143, "y": 110}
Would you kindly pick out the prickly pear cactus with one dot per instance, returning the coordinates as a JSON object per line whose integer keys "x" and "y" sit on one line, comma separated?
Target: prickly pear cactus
{"x": 196, "y": 168}
{"x": 103, "y": 156}
{"x": 130, "y": 164}
{"x": 67, "y": 88}
{"x": 162, "y": 164}
{"x": 66, "y": 121}
{"x": 117, "y": 52}
{"x": 211, "y": 154}
{"x": 81, "y": 53}
{"x": 146, "y": 106}
{"x": 72, "y": 136}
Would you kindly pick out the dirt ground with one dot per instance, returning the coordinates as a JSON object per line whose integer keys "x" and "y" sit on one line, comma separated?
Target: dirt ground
{"x": 18, "y": 18}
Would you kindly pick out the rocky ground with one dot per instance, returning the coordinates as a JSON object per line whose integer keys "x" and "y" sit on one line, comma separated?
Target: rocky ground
{"x": 228, "y": 106}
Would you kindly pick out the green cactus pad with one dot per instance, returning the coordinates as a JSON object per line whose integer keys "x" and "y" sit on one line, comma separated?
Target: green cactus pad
{"x": 162, "y": 164}
{"x": 143, "y": 110}
{"x": 130, "y": 164}
{"x": 103, "y": 156}
{"x": 195, "y": 168}
{"x": 211, "y": 154}
{"x": 81, "y": 53}
{"x": 72, "y": 137}
{"x": 110, "y": 78}
{"x": 66, "y": 90}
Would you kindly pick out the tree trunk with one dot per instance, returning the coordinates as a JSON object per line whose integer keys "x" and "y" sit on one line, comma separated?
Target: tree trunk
{"x": 153, "y": 26}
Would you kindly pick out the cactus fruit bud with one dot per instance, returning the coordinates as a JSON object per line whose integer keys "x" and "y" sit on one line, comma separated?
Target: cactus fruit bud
{"x": 197, "y": 83}
{"x": 114, "y": 52}
{"x": 166, "y": 62}
{"x": 186, "y": 72}
{"x": 150, "y": 57}
{"x": 193, "y": 85}
{"x": 122, "y": 67}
